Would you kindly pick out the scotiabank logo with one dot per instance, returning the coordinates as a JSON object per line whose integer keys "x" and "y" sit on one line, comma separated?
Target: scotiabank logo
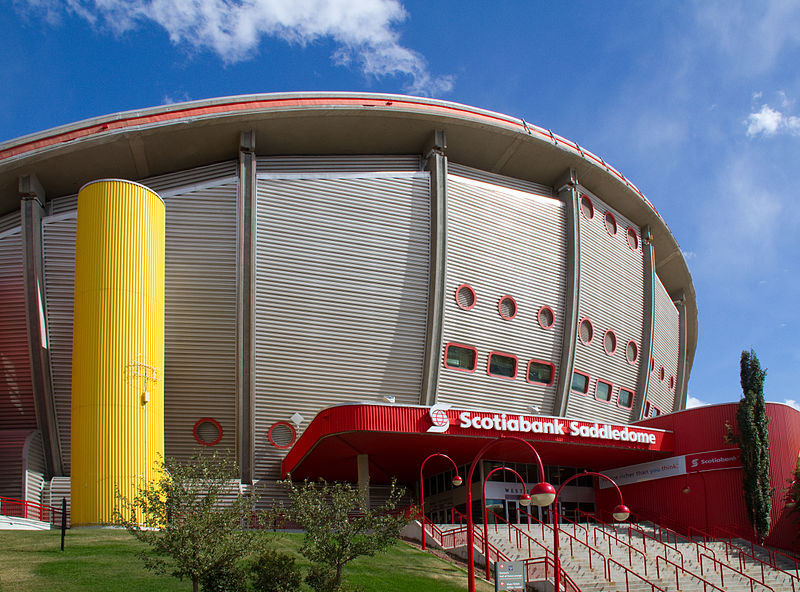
{"x": 439, "y": 419}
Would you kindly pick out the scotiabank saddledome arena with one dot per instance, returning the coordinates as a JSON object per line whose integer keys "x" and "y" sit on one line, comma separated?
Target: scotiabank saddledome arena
{"x": 338, "y": 285}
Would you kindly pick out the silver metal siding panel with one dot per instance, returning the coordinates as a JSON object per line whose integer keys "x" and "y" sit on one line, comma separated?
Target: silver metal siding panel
{"x": 341, "y": 297}
{"x": 612, "y": 297}
{"x": 502, "y": 242}
{"x": 665, "y": 349}
{"x": 34, "y": 469}
{"x": 461, "y": 170}
{"x": 62, "y": 205}
{"x": 17, "y": 409}
{"x": 58, "y": 249}
{"x": 60, "y": 489}
{"x": 199, "y": 175}
{"x": 9, "y": 221}
{"x": 338, "y": 163}
{"x": 200, "y": 316}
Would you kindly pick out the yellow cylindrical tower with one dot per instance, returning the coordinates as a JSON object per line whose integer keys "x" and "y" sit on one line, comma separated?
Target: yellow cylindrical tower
{"x": 117, "y": 346}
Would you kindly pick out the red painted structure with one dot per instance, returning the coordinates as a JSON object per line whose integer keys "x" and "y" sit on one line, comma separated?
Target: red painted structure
{"x": 711, "y": 500}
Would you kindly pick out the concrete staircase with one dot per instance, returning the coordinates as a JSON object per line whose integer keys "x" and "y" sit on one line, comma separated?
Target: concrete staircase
{"x": 640, "y": 558}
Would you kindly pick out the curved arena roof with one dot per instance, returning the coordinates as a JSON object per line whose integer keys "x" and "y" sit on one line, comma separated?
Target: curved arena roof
{"x": 149, "y": 142}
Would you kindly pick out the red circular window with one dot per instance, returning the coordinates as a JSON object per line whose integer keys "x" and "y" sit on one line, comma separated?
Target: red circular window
{"x": 671, "y": 383}
{"x": 610, "y": 342}
{"x": 281, "y": 434}
{"x": 547, "y": 317}
{"x": 587, "y": 209}
{"x": 632, "y": 352}
{"x": 207, "y": 431}
{"x": 465, "y": 296}
{"x": 611, "y": 223}
{"x": 586, "y": 331}
{"x": 661, "y": 374}
{"x": 507, "y": 307}
{"x": 633, "y": 239}
{"x": 652, "y": 364}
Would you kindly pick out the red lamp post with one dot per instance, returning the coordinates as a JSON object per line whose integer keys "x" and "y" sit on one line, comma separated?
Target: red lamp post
{"x": 524, "y": 500}
{"x": 620, "y": 513}
{"x": 457, "y": 480}
{"x": 542, "y": 494}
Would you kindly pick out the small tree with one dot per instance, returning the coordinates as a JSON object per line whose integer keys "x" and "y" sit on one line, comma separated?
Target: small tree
{"x": 751, "y": 417}
{"x": 192, "y": 530}
{"x": 340, "y": 526}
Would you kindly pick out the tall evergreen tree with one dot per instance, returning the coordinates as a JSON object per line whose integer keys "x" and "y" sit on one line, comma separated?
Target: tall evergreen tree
{"x": 751, "y": 417}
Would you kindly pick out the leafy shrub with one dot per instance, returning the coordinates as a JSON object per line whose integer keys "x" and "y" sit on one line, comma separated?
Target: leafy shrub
{"x": 275, "y": 572}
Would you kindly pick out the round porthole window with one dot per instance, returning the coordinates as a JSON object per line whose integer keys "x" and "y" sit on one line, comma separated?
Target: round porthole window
{"x": 633, "y": 239}
{"x": 586, "y": 331}
{"x": 610, "y": 342}
{"x": 611, "y": 223}
{"x": 661, "y": 374}
{"x": 547, "y": 317}
{"x": 207, "y": 431}
{"x": 281, "y": 434}
{"x": 587, "y": 209}
{"x": 507, "y": 307}
{"x": 632, "y": 352}
{"x": 652, "y": 364}
{"x": 671, "y": 383}
{"x": 465, "y": 297}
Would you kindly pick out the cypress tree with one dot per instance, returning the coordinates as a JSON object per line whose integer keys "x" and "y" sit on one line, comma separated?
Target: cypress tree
{"x": 751, "y": 417}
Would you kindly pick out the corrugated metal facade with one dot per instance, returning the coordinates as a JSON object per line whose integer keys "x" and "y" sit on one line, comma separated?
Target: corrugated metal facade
{"x": 12, "y": 462}
{"x": 60, "y": 489}
{"x": 9, "y": 221}
{"x": 665, "y": 351}
{"x": 612, "y": 298}
{"x": 341, "y": 296}
{"x": 184, "y": 181}
{"x": 34, "y": 468}
{"x": 338, "y": 164}
{"x": 200, "y": 331}
{"x": 502, "y": 242}
{"x": 58, "y": 236}
{"x": 16, "y": 391}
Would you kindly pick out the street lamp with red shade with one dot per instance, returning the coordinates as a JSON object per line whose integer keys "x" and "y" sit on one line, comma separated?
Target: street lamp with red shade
{"x": 457, "y": 480}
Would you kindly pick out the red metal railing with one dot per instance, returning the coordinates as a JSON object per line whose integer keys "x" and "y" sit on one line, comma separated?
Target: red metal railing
{"x": 34, "y": 511}
{"x": 723, "y": 566}
{"x": 622, "y": 543}
{"x": 773, "y": 554}
{"x": 628, "y": 573}
{"x": 543, "y": 568}
{"x": 677, "y": 567}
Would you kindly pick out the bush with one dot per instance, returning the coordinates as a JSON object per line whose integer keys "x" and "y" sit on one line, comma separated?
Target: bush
{"x": 322, "y": 578}
{"x": 275, "y": 572}
{"x": 228, "y": 578}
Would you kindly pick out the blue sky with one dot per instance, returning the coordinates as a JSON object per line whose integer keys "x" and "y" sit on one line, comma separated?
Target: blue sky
{"x": 695, "y": 102}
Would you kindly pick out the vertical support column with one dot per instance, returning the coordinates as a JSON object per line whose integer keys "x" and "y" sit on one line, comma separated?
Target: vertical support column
{"x": 363, "y": 477}
{"x": 648, "y": 323}
{"x": 117, "y": 347}
{"x": 245, "y": 341}
{"x": 436, "y": 163}
{"x": 33, "y": 196}
{"x": 680, "y": 378}
{"x": 568, "y": 193}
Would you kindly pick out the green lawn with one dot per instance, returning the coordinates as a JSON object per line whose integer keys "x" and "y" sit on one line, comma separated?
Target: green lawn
{"x": 104, "y": 560}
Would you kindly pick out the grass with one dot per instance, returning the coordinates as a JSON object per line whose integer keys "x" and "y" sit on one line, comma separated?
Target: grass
{"x": 104, "y": 560}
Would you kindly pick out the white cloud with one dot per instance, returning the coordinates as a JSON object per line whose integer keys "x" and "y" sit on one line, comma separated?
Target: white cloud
{"x": 364, "y": 30}
{"x": 769, "y": 122}
{"x": 688, "y": 255}
{"x": 792, "y": 403}
{"x": 694, "y": 402}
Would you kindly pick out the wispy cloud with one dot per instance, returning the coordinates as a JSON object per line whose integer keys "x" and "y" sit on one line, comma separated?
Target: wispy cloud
{"x": 753, "y": 33}
{"x": 792, "y": 403}
{"x": 770, "y": 122}
{"x": 364, "y": 30}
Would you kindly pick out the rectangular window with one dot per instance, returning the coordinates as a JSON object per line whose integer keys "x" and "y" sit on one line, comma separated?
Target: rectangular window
{"x": 460, "y": 357}
{"x": 580, "y": 382}
{"x": 540, "y": 372}
{"x": 502, "y": 365}
{"x": 625, "y": 398}
{"x": 603, "y": 390}
{"x": 651, "y": 410}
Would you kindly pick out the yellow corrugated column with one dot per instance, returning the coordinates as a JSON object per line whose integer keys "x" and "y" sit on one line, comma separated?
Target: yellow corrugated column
{"x": 117, "y": 346}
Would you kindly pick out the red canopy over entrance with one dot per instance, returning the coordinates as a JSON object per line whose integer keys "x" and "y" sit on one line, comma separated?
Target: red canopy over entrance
{"x": 397, "y": 439}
